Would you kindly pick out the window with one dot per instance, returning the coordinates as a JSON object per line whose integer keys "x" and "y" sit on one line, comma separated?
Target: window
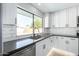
{"x": 24, "y": 23}
{"x": 37, "y": 24}
{"x": 28, "y": 23}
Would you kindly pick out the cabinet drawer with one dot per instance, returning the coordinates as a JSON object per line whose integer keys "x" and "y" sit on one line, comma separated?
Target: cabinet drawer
{"x": 72, "y": 45}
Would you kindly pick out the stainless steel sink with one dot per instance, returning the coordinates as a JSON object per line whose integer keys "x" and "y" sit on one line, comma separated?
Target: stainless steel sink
{"x": 36, "y": 37}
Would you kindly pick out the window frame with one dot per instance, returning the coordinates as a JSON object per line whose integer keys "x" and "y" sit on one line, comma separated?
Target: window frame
{"x": 33, "y": 23}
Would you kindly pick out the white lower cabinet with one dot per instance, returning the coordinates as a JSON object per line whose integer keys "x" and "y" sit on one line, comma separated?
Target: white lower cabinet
{"x": 51, "y": 42}
{"x": 39, "y": 49}
{"x": 67, "y": 44}
{"x": 43, "y": 47}
{"x": 72, "y": 45}
{"x": 56, "y": 42}
{"x": 61, "y": 44}
{"x": 64, "y": 43}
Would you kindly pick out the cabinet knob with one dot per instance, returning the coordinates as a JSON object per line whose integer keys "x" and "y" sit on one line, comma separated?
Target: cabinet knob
{"x": 67, "y": 42}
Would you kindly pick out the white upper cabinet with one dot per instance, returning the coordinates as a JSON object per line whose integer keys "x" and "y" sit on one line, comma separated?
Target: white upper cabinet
{"x": 46, "y": 20}
{"x": 9, "y": 13}
{"x": 72, "y": 17}
{"x": 60, "y": 18}
{"x": 56, "y": 19}
{"x": 66, "y": 17}
{"x": 78, "y": 10}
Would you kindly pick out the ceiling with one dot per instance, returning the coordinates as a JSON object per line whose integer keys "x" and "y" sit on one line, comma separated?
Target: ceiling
{"x": 52, "y": 7}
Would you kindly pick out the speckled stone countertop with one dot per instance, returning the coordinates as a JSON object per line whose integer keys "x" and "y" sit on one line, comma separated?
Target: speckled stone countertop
{"x": 16, "y": 45}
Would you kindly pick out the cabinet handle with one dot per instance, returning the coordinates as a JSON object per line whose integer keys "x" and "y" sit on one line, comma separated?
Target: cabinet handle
{"x": 56, "y": 37}
{"x": 15, "y": 20}
{"x": 67, "y": 25}
{"x": 72, "y": 39}
{"x": 62, "y": 38}
{"x": 44, "y": 46}
{"x": 51, "y": 41}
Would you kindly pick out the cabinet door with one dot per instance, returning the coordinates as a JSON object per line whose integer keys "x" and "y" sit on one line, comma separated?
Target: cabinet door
{"x": 72, "y": 17}
{"x": 78, "y": 10}
{"x": 48, "y": 45}
{"x": 56, "y": 19}
{"x": 9, "y": 13}
{"x": 56, "y": 42}
{"x": 73, "y": 45}
{"x": 62, "y": 18}
{"x": 46, "y": 20}
{"x": 41, "y": 48}
{"x": 51, "y": 42}
{"x": 62, "y": 43}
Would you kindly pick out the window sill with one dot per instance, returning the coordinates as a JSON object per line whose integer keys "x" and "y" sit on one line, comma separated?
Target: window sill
{"x": 25, "y": 36}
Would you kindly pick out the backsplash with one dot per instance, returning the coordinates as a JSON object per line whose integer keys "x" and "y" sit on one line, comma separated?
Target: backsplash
{"x": 63, "y": 31}
{"x": 46, "y": 30}
{"x": 8, "y": 32}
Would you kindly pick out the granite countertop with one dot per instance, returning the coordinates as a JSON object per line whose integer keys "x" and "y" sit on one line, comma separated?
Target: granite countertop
{"x": 72, "y": 36}
{"x": 16, "y": 45}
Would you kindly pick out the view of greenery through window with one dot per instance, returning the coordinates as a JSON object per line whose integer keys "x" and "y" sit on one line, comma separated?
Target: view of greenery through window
{"x": 37, "y": 24}
{"x": 25, "y": 23}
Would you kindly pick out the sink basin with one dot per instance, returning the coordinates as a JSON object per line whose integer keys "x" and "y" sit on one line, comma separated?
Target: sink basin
{"x": 35, "y": 37}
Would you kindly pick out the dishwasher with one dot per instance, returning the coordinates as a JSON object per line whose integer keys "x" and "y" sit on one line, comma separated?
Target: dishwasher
{"x": 29, "y": 51}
